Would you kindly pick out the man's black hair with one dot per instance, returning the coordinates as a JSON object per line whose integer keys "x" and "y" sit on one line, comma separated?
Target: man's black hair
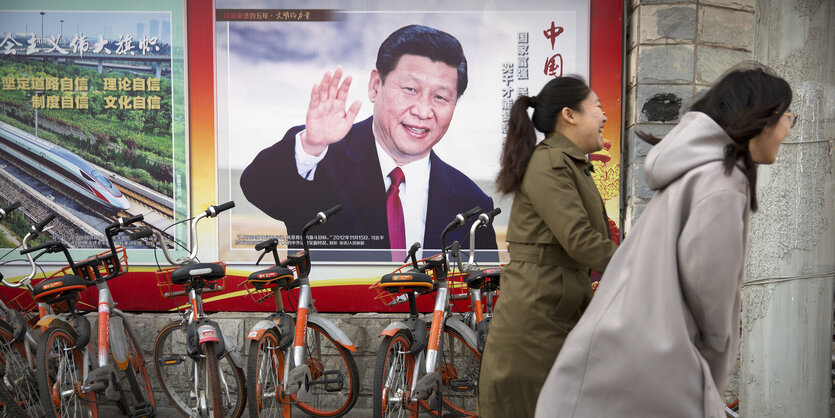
{"x": 425, "y": 42}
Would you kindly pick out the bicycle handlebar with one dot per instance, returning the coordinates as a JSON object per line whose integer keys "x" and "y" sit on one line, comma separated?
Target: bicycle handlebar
{"x": 40, "y": 225}
{"x": 141, "y": 233}
{"x": 34, "y": 231}
{"x": 412, "y": 254}
{"x": 5, "y": 212}
{"x": 52, "y": 246}
{"x": 320, "y": 218}
{"x": 332, "y": 211}
{"x": 213, "y": 211}
{"x": 483, "y": 220}
{"x": 268, "y": 244}
{"x": 459, "y": 220}
{"x": 123, "y": 222}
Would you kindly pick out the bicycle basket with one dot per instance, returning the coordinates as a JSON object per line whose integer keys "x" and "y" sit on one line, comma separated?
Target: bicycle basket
{"x": 456, "y": 281}
{"x": 104, "y": 264}
{"x": 171, "y": 290}
{"x": 260, "y": 295}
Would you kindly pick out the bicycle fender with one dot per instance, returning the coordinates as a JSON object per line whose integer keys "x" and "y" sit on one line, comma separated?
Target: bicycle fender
{"x": 417, "y": 332}
{"x": 259, "y": 328}
{"x": 237, "y": 360}
{"x": 118, "y": 343}
{"x": 332, "y": 330}
{"x": 56, "y": 321}
{"x": 393, "y": 327}
{"x": 82, "y": 327}
{"x": 14, "y": 319}
{"x": 465, "y": 331}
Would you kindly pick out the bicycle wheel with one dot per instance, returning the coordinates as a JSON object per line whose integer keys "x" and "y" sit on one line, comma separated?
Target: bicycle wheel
{"x": 211, "y": 380}
{"x": 333, "y": 374}
{"x": 134, "y": 378}
{"x": 393, "y": 373}
{"x": 459, "y": 373}
{"x": 19, "y": 389}
{"x": 59, "y": 374}
{"x": 264, "y": 373}
{"x": 176, "y": 373}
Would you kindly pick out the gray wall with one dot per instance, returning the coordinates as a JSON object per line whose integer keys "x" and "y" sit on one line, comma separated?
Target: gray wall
{"x": 675, "y": 49}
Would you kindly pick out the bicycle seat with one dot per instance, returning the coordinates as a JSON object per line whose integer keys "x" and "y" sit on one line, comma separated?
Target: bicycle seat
{"x": 59, "y": 289}
{"x": 488, "y": 278}
{"x": 410, "y": 281}
{"x": 205, "y": 271}
{"x": 280, "y": 277}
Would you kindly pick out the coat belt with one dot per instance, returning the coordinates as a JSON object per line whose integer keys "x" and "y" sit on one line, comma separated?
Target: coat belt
{"x": 552, "y": 255}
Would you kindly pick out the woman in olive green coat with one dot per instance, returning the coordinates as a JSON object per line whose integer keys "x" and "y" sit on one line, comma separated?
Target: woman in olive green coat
{"x": 557, "y": 232}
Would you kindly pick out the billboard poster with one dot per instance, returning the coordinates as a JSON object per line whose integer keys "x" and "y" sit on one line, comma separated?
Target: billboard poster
{"x": 311, "y": 114}
{"x": 92, "y": 125}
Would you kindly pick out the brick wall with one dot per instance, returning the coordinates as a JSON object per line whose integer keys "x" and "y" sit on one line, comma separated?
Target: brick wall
{"x": 675, "y": 49}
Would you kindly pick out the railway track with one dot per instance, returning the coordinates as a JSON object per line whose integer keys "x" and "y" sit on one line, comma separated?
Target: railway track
{"x": 144, "y": 200}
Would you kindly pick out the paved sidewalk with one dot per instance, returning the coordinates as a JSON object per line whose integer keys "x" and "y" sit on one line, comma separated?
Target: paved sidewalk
{"x": 168, "y": 412}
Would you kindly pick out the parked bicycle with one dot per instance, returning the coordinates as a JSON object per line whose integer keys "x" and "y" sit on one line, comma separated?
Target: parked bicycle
{"x": 480, "y": 282}
{"x": 18, "y": 346}
{"x": 434, "y": 369}
{"x": 303, "y": 359}
{"x": 69, "y": 377}
{"x": 198, "y": 368}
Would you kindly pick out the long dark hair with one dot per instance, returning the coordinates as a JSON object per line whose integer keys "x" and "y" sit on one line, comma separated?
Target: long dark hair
{"x": 557, "y": 94}
{"x": 743, "y": 102}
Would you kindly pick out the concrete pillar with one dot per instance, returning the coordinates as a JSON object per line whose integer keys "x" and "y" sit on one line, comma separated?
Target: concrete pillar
{"x": 788, "y": 294}
{"x": 675, "y": 50}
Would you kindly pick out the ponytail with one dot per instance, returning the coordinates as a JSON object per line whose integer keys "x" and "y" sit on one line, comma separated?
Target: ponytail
{"x": 518, "y": 146}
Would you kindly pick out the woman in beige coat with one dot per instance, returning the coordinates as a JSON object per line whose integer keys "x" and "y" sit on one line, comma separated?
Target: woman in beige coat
{"x": 659, "y": 339}
{"x": 557, "y": 232}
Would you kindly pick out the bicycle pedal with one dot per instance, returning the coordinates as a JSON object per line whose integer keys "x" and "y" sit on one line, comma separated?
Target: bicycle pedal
{"x": 144, "y": 409}
{"x": 461, "y": 385}
{"x": 332, "y": 380}
{"x": 171, "y": 360}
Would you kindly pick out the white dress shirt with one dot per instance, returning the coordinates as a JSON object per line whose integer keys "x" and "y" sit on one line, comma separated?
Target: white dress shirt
{"x": 414, "y": 191}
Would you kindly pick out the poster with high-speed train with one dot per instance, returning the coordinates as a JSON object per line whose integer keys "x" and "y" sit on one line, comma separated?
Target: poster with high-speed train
{"x": 92, "y": 118}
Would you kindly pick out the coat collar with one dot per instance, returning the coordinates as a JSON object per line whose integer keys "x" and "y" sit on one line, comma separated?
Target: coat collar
{"x": 558, "y": 140}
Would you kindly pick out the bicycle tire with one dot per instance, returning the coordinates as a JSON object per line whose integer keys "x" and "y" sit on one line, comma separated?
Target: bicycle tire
{"x": 264, "y": 374}
{"x": 19, "y": 388}
{"x": 460, "y": 361}
{"x": 393, "y": 372}
{"x": 174, "y": 369}
{"x": 57, "y": 353}
{"x": 324, "y": 355}
{"x": 18, "y": 392}
{"x": 139, "y": 390}
{"x": 212, "y": 379}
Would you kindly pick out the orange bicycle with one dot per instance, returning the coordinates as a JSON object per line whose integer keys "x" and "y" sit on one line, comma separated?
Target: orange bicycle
{"x": 480, "y": 282}
{"x": 435, "y": 370}
{"x": 303, "y": 359}
{"x": 69, "y": 377}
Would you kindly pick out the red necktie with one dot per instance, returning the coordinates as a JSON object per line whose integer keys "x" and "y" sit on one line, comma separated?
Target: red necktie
{"x": 394, "y": 213}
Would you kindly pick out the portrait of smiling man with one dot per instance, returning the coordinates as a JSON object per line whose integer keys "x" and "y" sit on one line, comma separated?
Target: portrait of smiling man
{"x": 393, "y": 188}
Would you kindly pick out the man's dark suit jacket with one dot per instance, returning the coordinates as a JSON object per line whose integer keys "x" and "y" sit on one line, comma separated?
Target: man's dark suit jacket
{"x": 350, "y": 175}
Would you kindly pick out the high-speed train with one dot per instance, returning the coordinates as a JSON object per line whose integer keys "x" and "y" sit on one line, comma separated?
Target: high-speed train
{"x": 62, "y": 165}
